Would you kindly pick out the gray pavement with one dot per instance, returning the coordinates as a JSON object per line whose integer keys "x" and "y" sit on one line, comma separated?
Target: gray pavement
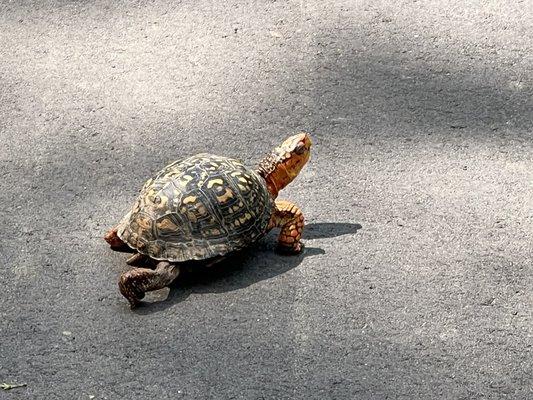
{"x": 416, "y": 282}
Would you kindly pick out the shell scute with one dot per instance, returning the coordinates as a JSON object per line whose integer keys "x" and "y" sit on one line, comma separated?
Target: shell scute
{"x": 198, "y": 208}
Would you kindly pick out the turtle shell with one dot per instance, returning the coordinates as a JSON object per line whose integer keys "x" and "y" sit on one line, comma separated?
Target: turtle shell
{"x": 198, "y": 208}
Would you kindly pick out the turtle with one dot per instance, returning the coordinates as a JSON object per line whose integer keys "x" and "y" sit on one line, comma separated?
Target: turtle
{"x": 205, "y": 207}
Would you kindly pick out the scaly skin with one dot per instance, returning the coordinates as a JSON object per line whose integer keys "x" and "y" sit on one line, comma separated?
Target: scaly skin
{"x": 278, "y": 169}
{"x": 134, "y": 283}
{"x": 290, "y": 219}
{"x": 281, "y": 166}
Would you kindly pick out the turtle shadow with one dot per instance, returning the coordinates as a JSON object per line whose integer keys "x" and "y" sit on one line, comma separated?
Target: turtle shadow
{"x": 242, "y": 269}
{"x": 322, "y": 230}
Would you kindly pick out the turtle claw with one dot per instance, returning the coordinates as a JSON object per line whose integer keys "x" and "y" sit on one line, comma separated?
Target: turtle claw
{"x": 290, "y": 250}
{"x": 135, "y": 302}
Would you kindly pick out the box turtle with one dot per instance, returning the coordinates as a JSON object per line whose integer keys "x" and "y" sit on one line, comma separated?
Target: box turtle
{"x": 204, "y": 207}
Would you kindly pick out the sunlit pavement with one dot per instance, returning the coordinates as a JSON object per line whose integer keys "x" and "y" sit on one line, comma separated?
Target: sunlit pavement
{"x": 417, "y": 274}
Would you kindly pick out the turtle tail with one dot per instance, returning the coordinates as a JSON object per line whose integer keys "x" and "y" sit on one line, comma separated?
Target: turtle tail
{"x": 114, "y": 241}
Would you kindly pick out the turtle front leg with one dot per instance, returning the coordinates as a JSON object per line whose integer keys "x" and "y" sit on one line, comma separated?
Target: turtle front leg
{"x": 290, "y": 219}
{"x": 134, "y": 283}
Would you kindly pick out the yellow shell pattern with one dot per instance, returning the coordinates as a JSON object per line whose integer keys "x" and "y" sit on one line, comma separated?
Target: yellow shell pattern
{"x": 198, "y": 208}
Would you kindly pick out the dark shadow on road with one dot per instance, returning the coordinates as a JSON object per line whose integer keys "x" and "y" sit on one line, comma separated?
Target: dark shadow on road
{"x": 330, "y": 229}
{"x": 246, "y": 268}
{"x": 236, "y": 272}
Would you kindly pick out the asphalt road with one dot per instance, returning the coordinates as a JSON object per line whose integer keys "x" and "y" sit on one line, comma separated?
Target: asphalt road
{"x": 417, "y": 278}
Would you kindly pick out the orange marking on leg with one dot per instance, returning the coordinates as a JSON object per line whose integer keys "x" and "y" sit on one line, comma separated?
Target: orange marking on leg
{"x": 291, "y": 221}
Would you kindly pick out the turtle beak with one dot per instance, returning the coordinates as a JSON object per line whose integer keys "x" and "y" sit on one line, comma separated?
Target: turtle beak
{"x": 306, "y": 139}
{"x": 300, "y": 140}
{"x": 302, "y": 137}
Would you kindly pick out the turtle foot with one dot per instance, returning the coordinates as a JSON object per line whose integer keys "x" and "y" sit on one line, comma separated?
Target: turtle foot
{"x": 126, "y": 285}
{"x": 134, "y": 283}
{"x": 295, "y": 249}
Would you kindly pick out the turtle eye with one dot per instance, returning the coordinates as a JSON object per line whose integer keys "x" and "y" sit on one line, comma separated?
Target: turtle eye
{"x": 299, "y": 149}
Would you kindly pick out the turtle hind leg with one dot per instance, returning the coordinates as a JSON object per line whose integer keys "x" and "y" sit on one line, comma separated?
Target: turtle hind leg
{"x": 290, "y": 219}
{"x": 134, "y": 283}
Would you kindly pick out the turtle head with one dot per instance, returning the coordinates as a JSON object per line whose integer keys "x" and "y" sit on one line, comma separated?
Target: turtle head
{"x": 285, "y": 162}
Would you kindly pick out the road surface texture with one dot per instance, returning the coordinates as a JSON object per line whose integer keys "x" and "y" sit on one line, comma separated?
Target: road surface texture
{"x": 417, "y": 278}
